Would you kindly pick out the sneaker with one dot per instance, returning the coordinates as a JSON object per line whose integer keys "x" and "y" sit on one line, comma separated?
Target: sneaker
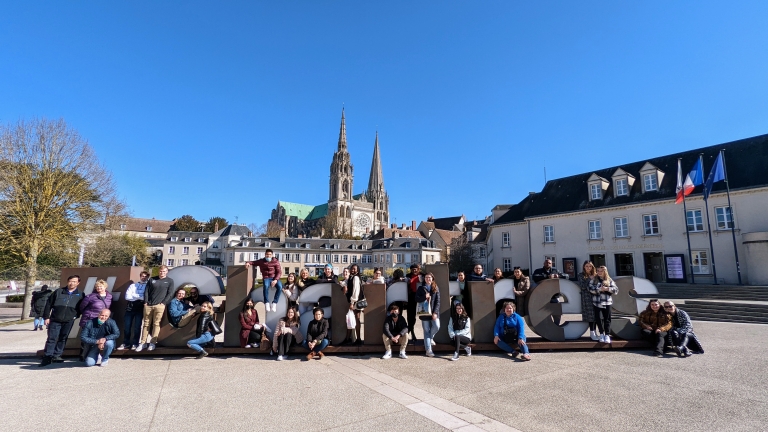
{"x": 515, "y": 353}
{"x": 402, "y": 355}
{"x": 455, "y": 356}
{"x": 152, "y": 347}
{"x": 34, "y": 329}
{"x": 122, "y": 347}
{"x": 358, "y": 342}
{"x": 98, "y": 359}
{"x": 687, "y": 352}
{"x": 387, "y": 355}
{"x": 247, "y": 346}
{"x": 594, "y": 336}
{"x": 46, "y": 361}
{"x": 602, "y": 338}
{"x": 139, "y": 347}
{"x": 526, "y": 357}
{"x": 432, "y": 342}
{"x": 279, "y": 358}
{"x": 134, "y": 347}
{"x": 430, "y": 353}
{"x": 58, "y": 359}
{"x": 310, "y": 356}
{"x": 468, "y": 350}
{"x": 254, "y": 345}
{"x": 607, "y": 339}
{"x": 202, "y": 354}
{"x": 104, "y": 363}
{"x": 274, "y": 307}
{"x": 659, "y": 355}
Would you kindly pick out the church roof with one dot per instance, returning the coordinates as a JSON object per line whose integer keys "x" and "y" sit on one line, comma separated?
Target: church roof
{"x": 301, "y": 211}
{"x": 376, "y": 180}
{"x": 318, "y": 212}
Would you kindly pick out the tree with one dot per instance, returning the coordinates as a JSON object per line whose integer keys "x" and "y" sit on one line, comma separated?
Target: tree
{"x": 333, "y": 227}
{"x": 52, "y": 190}
{"x": 214, "y": 222}
{"x": 113, "y": 250}
{"x": 461, "y": 256}
{"x": 186, "y": 223}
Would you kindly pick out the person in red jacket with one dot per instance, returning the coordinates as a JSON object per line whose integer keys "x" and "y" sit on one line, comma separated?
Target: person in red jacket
{"x": 250, "y": 328}
{"x": 271, "y": 272}
{"x": 414, "y": 280}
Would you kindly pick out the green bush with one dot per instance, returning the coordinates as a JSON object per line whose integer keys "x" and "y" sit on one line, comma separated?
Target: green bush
{"x": 16, "y": 298}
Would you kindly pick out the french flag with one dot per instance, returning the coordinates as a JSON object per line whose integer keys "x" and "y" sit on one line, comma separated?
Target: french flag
{"x": 693, "y": 179}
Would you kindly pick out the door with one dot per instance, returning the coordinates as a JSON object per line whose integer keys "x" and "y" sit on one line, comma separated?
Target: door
{"x": 654, "y": 266}
{"x": 625, "y": 265}
{"x": 597, "y": 260}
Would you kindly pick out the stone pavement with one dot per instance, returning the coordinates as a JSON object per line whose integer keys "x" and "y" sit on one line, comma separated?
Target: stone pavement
{"x": 724, "y": 389}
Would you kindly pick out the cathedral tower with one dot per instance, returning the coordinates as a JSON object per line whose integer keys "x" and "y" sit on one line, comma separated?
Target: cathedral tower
{"x": 376, "y": 193}
{"x": 342, "y": 176}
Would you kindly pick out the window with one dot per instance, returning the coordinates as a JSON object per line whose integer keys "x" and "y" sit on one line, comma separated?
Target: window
{"x": 650, "y": 182}
{"x": 199, "y": 250}
{"x": 122, "y": 226}
{"x": 170, "y": 262}
{"x": 375, "y": 258}
{"x": 651, "y": 224}
{"x": 549, "y": 234}
{"x": 345, "y": 259}
{"x": 366, "y": 259}
{"x": 296, "y": 257}
{"x": 354, "y": 259}
{"x": 335, "y": 258}
{"x": 327, "y": 258}
{"x": 399, "y": 258}
{"x": 171, "y": 250}
{"x": 414, "y": 258}
{"x": 286, "y": 257}
{"x": 507, "y": 264}
{"x": 185, "y": 250}
{"x": 482, "y": 252}
{"x": 215, "y": 245}
{"x": 724, "y": 217}
{"x": 622, "y": 187}
{"x": 695, "y": 222}
{"x": 389, "y": 257}
{"x": 595, "y": 192}
{"x": 187, "y": 239}
{"x": 620, "y": 227}
{"x": 174, "y": 239}
{"x": 408, "y": 245}
{"x": 317, "y": 258}
{"x": 505, "y": 239}
{"x": 149, "y": 228}
{"x": 700, "y": 262}
{"x": 595, "y": 231}
{"x": 185, "y": 262}
{"x": 202, "y": 240}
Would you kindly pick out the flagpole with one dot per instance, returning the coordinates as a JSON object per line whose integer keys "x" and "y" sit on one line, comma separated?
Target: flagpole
{"x": 733, "y": 220}
{"x": 687, "y": 232}
{"x": 709, "y": 228}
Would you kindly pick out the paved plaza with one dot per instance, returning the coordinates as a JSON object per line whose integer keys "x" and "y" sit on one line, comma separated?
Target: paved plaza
{"x": 724, "y": 389}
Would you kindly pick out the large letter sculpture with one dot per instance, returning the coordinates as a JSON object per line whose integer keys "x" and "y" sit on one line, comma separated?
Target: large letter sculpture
{"x": 625, "y": 303}
{"x": 541, "y": 310}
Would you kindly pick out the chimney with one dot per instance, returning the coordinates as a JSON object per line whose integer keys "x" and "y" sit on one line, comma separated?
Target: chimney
{"x": 250, "y": 233}
{"x": 393, "y": 226}
{"x": 430, "y": 218}
{"x": 301, "y": 236}
{"x": 531, "y": 193}
{"x": 402, "y": 226}
{"x": 282, "y": 235}
{"x": 216, "y": 226}
{"x": 413, "y": 225}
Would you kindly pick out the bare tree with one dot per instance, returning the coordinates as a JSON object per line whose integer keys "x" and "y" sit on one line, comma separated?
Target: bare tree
{"x": 460, "y": 256}
{"x": 113, "y": 250}
{"x": 52, "y": 189}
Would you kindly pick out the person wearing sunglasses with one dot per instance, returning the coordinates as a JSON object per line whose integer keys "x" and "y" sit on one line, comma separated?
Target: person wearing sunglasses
{"x": 682, "y": 337}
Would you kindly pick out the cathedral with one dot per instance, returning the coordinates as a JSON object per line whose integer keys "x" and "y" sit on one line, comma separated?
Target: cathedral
{"x": 347, "y": 214}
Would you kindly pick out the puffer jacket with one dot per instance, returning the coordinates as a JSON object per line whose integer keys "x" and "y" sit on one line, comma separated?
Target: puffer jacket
{"x": 657, "y": 320}
{"x": 283, "y": 329}
{"x": 39, "y": 299}
{"x": 92, "y": 305}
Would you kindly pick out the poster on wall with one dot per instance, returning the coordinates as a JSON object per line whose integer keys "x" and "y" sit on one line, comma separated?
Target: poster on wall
{"x": 569, "y": 267}
{"x": 676, "y": 268}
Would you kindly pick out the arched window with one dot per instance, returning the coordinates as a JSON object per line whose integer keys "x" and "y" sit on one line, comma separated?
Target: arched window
{"x": 349, "y": 213}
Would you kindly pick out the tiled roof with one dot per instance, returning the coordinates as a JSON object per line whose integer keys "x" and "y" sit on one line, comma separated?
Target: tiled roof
{"x": 482, "y": 235}
{"x": 141, "y": 224}
{"x": 234, "y": 230}
{"x": 391, "y": 232}
{"x": 446, "y": 223}
{"x": 746, "y": 162}
{"x": 448, "y": 236}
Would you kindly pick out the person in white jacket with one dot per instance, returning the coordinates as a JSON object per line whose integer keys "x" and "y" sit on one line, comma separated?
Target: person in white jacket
{"x": 134, "y": 312}
{"x": 459, "y": 329}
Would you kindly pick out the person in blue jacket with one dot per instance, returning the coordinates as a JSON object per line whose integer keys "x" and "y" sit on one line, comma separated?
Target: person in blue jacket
{"x": 99, "y": 336}
{"x": 181, "y": 312}
{"x": 509, "y": 332}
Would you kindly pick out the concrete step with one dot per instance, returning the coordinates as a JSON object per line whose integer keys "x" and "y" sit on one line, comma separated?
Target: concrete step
{"x": 720, "y": 318}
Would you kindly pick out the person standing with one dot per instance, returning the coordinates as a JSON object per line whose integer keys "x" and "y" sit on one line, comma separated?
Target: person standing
{"x": 547, "y": 272}
{"x": 134, "y": 312}
{"x": 522, "y": 284}
{"x": 378, "y": 277}
{"x": 94, "y": 302}
{"x": 414, "y": 280}
{"x": 158, "y": 293}
{"x": 39, "y": 299}
{"x": 428, "y": 291}
{"x": 584, "y": 278}
{"x": 478, "y": 275}
{"x": 60, "y": 312}
{"x": 98, "y": 336}
{"x": 271, "y": 273}
{"x": 355, "y": 293}
{"x": 603, "y": 288}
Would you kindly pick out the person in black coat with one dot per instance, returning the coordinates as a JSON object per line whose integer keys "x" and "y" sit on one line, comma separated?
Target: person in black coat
{"x": 317, "y": 335}
{"x": 39, "y": 299}
{"x": 203, "y": 332}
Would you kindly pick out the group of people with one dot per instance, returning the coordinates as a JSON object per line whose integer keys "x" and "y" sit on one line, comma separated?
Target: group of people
{"x": 147, "y": 298}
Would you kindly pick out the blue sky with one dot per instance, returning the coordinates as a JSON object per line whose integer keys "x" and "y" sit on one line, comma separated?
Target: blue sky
{"x": 224, "y": 108}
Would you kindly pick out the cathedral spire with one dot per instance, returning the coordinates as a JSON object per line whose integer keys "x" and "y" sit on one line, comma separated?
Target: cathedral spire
{"x": 342, "y": 133}
{"x": 376, "y": 181}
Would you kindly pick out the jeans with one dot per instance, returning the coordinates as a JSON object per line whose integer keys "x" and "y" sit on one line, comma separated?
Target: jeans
{"x": 679, "y": 339}
{"x": 92, "y": 352}
{"x": 658, "y": 339}
{"x": 505, "y": 346}
{"x": 39, "y": 322}
{"x": 152, "y": 317}
{"x": 603, "y": 319}
{"x": 430, "y": 328}
{"x": 202, "y": 340}
{"x": 57, "y": 338}
{"x": 319, "y": 347}
{"x": 279, "y": 290}
{"x": 132, "y": 327}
